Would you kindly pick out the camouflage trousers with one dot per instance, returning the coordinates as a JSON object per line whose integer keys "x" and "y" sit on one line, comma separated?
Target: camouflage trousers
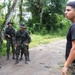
{"x": 27, "y": 47}
{"x": 8, "y": 45}
{"x": 24, "y": 49}
{"x": 71, "y": 69}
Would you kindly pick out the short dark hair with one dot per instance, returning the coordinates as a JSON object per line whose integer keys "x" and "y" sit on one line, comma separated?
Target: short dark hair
{"x": 71, "y": 3}
{"x": 9, "y": 23}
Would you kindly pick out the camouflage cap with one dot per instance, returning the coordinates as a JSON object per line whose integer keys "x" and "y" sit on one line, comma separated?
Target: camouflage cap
{"x": 22, "y": 25}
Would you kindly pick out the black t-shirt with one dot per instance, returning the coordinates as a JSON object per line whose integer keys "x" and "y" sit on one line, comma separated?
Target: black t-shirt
{"x": 70, "y": 37}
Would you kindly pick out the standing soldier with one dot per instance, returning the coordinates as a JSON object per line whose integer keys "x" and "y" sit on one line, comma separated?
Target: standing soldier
{"x": 1, "y": 41}
{"x": 10, "y": 38}
{"x": 22, "y": 41}
{"x": 27, "y": 51}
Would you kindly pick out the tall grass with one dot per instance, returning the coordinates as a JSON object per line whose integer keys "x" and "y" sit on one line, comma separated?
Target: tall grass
{"x": 44, "y": 39}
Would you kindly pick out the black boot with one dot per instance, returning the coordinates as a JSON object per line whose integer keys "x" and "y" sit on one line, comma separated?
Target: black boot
{"x": 16, "y": 62}
{"x": 28, "y": 57}
{"x": 13, "y": 57}
{"x": 21, "y": 55}
{"x": 21, "y": 58}
{"x": 26, "y": 62}
{"x": 7, "y": 56}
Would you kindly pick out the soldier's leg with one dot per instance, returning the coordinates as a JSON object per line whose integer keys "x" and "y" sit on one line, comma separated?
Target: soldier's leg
{"x": 21, "y": 55}
{"x": 25, "y": 54}
{"x": 13, "y": 51}
{"x": 8, "y": 49}
{"x": 17, "y": 54}
{"x": 28, "y": 53}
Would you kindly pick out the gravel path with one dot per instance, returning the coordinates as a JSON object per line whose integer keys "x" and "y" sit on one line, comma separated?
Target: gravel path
{"x": 45, "y": 59}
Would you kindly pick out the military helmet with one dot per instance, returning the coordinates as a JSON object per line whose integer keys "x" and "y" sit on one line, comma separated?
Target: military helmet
{"x": 22, "y": 25}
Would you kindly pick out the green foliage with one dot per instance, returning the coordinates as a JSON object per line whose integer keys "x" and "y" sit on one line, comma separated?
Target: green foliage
{"x": 2, "y": 5}
{"x": 43, "y": 39}
{"x": 47, "y": 20}
{"x": 66, "y": 24}
{"x": 3, "y": 49}
{"x": 57, "y": 23}
{"x": 57, "y": 6}
{"x": 1, "y": 21}
{"x": 45, "y": 15}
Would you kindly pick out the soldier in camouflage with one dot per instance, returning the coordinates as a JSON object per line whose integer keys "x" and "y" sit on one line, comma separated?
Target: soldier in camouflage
{"x": 10, "y": 38}
{"x": 1, "y": 41}
{"x": 27, "y": 52}
{"x": 22, "y": 41}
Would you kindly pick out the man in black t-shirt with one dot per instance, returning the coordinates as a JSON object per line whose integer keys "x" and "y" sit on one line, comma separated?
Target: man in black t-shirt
{"x": 69, "y": 66}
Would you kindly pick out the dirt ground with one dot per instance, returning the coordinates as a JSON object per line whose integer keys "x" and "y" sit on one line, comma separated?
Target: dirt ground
{"x": 45, "y": 59}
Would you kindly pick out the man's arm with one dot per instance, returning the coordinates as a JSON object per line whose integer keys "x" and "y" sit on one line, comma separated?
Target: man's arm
{"x": 70, "y": 59}
{"x": 28, "y": 37}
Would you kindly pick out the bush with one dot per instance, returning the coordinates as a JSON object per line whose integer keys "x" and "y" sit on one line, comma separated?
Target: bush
{"x": 3, "y": 49}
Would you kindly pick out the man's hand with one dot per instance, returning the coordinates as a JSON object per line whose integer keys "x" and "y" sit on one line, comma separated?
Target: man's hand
{"x": 64, "y": 71}
{"x": 9, "y": 36}
{"x": 16, "y": 45}
{"x": 26, "y": 44}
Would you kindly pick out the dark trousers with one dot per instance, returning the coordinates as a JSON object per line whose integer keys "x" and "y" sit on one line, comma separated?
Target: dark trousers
{"x": 27, "y": 53}
{"x": 24, "y": 50}
{"x": 71, "y": 69}
{"x": 8, "y": 45}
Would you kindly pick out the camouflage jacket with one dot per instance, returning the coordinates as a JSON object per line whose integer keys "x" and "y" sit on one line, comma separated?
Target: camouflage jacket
{"x": 10, "y": 32}
{"x": 23, "y": 37}
{"x": 1, "y": 41}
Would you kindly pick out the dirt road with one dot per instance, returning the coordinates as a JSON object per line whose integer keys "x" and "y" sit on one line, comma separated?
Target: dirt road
{"x": 45, "y": 59}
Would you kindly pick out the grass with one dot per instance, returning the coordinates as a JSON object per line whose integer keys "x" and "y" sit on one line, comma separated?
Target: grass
{"x": 39, "y": 39}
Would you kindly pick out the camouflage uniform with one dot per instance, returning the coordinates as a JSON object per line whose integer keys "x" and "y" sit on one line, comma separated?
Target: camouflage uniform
{"x": 1, "y": 40}
{"x": 71, "y": 69}
{"x": 27, "y": 51}
{"x": 22, "y": 37}
{"x": 1, "y": 44}
{"x": 23, "y": 53}
{"x": 10, "y": 41}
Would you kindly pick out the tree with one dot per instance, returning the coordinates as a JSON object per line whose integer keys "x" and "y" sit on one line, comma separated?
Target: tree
{"x": 9, "y": 15}
{"x": 20, "y": 10}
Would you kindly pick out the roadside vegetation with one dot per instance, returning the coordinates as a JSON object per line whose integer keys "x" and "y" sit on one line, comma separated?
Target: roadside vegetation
{"x": 46, "y": 22}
